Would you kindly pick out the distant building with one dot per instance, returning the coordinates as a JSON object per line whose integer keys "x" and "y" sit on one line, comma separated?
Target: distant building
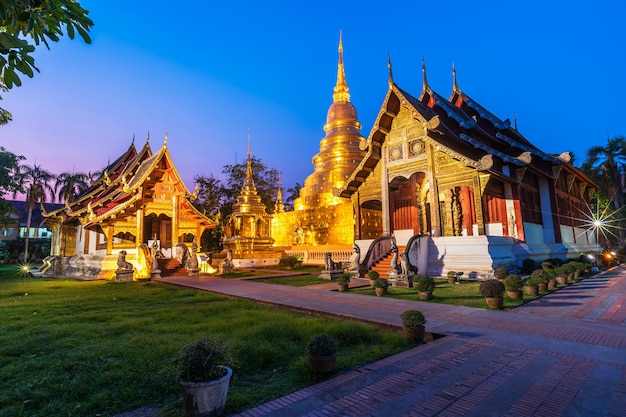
{"x": 18, "y": 220}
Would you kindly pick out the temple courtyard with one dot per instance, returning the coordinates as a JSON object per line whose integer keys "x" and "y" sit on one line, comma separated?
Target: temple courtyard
{"x": 559, "y": 355}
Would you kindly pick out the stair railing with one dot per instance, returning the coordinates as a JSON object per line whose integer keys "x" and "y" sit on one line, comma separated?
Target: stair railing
{"x": 380, "y": 247}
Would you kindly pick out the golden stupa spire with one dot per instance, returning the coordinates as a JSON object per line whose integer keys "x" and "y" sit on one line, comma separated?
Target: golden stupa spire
{"x": 341, "y": 93}
{"x": 455, "y": 87}
{"x": 390, "y": 72}
{"x": 249, "y": 182}
{"x": 279, "y": 205}
{"x": 424, "y": 71}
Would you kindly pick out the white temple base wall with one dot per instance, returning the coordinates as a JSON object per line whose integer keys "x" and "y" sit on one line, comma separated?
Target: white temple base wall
{"x": 475, "y": 256}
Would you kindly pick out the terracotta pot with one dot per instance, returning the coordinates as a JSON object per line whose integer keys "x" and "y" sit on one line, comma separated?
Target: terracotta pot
{"x": 451, "y": 280}
{"x": 372, "y": 281}
{"x": 342, "y": 287}
{"x": 425, "y": 295}
{"x": 531, "y": 289}
{"x": 205, "y": 398}
{"x": 552, "y": 283}
{"x": 322, "y": 364}
{"x": 415, "y": 335}
{"x": 381, "y": 291}
{"x": 515, "y": 294}
{"x": 543, "y": 287}
{"x": 495, "y": 302}
{"x": 561, "y": 280}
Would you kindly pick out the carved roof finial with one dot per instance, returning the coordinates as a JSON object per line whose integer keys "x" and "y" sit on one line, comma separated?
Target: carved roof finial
{"x": 515, "y": 121}
{"x": 455, "y": 87}
{"x": 148, "y": 139}
{"x": 390, "y": 72}
{"x": 133, "y": 142}
{"x": 165, "y": 140}
{"x": 424, "y": 71}
{"x": 341, "y": 92}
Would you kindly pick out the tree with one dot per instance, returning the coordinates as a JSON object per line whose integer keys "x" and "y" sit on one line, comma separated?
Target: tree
{"x": 36, "y": 21}
{"x": 210, "y": 199}
{"x": 294, "y": 193}
{"x": 9, "y": 180}
{"x": 68, "y": 185}
{"x": 36, "y": 182}
{"x": 606, "y": 165}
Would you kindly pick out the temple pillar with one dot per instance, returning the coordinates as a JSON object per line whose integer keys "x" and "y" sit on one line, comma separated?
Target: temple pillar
{"x": 55, "y": 243}
{"x": 109, "y": 238}
{"x": 175, "y": 215}
{"x": 547, "y": 199}
{"x": 435, "y": 214}
{"x": 139, "y": 228}
{"x": 384, "y": 185}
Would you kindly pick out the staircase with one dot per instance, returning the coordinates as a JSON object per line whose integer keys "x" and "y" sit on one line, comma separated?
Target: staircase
{"x": 171, "y": 266}
{"x": 384, "y": 265}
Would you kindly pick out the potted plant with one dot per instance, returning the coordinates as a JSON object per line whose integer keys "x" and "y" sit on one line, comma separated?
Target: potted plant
{"x": 579, "y": 268}
{"x": 380, "y": 286}
{"x": 203, "y": 377}
{"x": 513, "y": 285}
{"x": 542, "y": 280}
{"x": 343, "y": 282}
{"x": 492, "y": 290}
{"x": 321, "y": 353}
{"x": 425, "y": 287}
{"x": 561, "y": 276}
{"x": 531, "y": 285}
{"x": 551, "y": 276}
{"x": 373, "y": 276}
{"x": 451, "y": 277}
{"x": 290, "y": 261}
{"x": 569, "y": 269}
{"x": 413, "y": 322}
{"x": 500, "y": 274}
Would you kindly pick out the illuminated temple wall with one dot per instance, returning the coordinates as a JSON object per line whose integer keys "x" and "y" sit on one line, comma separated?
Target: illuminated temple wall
{"x": 332, "y": 225}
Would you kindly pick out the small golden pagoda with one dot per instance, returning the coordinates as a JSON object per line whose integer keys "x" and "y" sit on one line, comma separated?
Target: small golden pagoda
{"x": 320, "y": 217}
{"x": 248, "y": 228}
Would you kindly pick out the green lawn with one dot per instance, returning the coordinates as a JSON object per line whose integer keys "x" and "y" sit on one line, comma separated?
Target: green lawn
{"x": 464, "y": 294}
{"x": 70, "y": 348}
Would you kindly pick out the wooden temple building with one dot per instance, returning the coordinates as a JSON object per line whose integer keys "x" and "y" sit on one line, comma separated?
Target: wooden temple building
{"x": 465, "y": 189}
{"x": 138, "y": 200}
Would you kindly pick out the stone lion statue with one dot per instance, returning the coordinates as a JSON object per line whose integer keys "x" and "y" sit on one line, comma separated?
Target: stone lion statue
{"x": 228, "y": 260}
{"x": 122, "y": 264}
{"x": 404, "y": 264}
{"x": 329, "y": 264}
{"x": 355, "y": 258}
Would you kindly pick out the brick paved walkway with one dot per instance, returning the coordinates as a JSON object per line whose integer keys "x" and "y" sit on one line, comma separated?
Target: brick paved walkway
{"x": 563, "y": 354}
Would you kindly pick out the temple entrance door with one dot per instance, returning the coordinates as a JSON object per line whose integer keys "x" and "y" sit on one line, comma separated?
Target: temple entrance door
{"x": 166, "y": 234}
{"x": 159, "y": 228}
{"x": 403, "y": 203}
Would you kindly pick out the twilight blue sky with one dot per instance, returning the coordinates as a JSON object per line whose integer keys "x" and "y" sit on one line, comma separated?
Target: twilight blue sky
{"x": 206, "y": 72}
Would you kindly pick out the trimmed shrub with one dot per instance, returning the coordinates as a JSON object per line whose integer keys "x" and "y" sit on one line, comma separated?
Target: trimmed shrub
{"x": 513, "y": 282}
{"x": 425, "y": 283}
{"x": 500, "y": 273}
{"x": 491, "y": 288}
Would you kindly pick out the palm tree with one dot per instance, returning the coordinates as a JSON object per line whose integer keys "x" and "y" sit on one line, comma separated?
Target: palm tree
{"x": 36, "y": 182}
{"x": 68, "y": 185}
{"x": 607, "y": 165}
{"x": 293, "y": 194}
